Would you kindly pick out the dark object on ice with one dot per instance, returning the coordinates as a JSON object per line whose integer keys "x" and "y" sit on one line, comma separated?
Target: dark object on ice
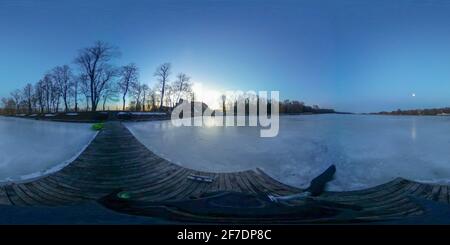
{"x": 317, "y": 185}
{"x": 234, "y": 207}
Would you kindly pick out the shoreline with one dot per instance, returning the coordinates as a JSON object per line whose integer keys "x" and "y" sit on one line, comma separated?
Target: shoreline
{"x": 99, "y": 117}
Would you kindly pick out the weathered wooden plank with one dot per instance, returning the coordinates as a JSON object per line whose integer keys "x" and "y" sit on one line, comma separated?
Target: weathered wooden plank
{"x": 242, "y": 182}
{"x": 177, "y": 190}
{"x": 37, "y": 196}
{"x": 398, "y": 194}
{"x": 435, "y": 192}
{"x": 420, "y": 191}
{"x": 370, "y": 197}
{"x": 234, "y": 184}
{"x": 13, "y": 197}
{"x": 54, "y": 191}
{"x": 164, "y": 183}
{"x": 443, "y": 195}
{"x": 367, "y": 191}
{"x": 222, "y": 185}
{"x": 227, "y": 180}
{"x": 200, "y": 187}
{"x": 253, "y": 180}
{"x": 4, "y": 199}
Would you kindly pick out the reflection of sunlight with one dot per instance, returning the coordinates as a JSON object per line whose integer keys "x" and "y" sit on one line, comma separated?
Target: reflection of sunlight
{"x": 413, "y": 130}
{"x": 206, "y": 122}
{"x": 209, "y": 96}
{"x": 209, "y": 122}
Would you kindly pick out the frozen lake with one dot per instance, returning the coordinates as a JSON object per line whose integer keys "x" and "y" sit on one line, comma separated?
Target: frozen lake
{"x": 367, "y": 150}
{"x": 30, "y": 148}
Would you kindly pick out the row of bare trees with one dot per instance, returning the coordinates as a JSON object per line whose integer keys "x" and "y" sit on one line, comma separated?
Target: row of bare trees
{"x": 97, "y": 82}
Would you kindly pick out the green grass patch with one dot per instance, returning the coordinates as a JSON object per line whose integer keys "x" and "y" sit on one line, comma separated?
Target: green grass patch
{"x": 124, "y": 195}
{"x": 98, "y": 126}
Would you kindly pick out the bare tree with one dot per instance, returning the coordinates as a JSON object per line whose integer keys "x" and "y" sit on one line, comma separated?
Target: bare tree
{"x": 17, "y": 97}
{"x": 109, "y": 93}
{"x": 9, "y": 106}
{"x": 94, "y": 62}
{"x": 46, "y": 84}
{"x": 182, "y": 86}
{"x": 145, "y": 90}
{"x": 129, "y": 76}
{"x": 4, "y": 101}
{"x": 55, "y": 96}
{"x": 28, "y": 96}
{"x": 136, "y": 91}
{"x": 162, "y": 73}
{"x": 84, "y": 88}
{"x": 39, "y": 95}
{"x": 63, "y": 78}
{"x": 76, "y": 82}
{"x": 153, "y": 99}
{"x": 170, "y": 95}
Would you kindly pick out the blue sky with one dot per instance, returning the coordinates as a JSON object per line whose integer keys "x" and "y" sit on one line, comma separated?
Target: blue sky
{"x": 351, "y": 55}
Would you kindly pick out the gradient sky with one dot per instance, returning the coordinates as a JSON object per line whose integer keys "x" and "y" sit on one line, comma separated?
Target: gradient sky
{"x": 351, "y": 55}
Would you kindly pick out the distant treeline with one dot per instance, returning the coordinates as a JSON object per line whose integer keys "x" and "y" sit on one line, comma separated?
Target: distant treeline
{"x": 297, "y": 107}
{"x": 285, "y": 107}
{"x": 418, "y": 112}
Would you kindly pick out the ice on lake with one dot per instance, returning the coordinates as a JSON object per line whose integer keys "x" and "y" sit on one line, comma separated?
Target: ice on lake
{"x": 30, "y": 148}
{"x": 367, "y": 150}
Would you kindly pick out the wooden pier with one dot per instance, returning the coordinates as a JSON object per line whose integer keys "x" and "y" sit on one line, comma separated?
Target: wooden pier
{"x": 116, "y": 160}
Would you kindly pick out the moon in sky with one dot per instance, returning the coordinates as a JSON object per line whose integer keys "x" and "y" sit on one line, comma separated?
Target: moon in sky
{"x": 413, "y": 94}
